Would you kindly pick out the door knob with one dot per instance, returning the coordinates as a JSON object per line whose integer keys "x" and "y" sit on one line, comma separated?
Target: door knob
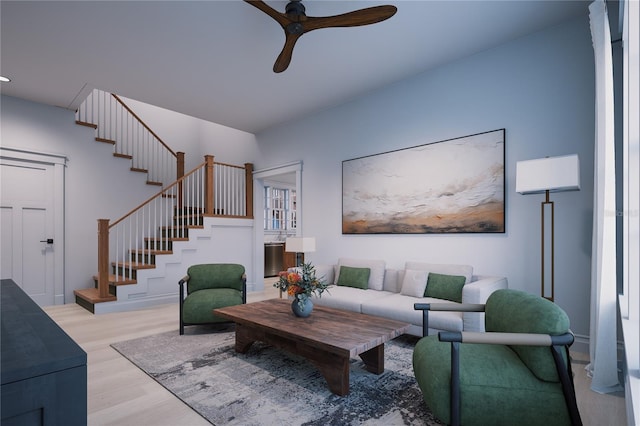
{"x": 48, "y": 241}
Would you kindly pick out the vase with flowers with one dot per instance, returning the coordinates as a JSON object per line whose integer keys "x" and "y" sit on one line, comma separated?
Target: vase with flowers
{"x": 301, "y": 284}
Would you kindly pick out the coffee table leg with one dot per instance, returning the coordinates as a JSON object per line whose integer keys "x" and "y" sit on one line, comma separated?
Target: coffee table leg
{"x": 374, "y": 359}
{"x": 336, "y": 373}
{"x": 244, "y": 339}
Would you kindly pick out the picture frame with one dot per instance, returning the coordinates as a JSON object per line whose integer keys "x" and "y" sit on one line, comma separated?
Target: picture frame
{"x": 450, "y": 186}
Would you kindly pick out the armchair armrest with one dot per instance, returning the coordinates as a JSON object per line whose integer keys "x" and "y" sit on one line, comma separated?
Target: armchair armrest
{"x": 181, "y": 283}
{"x": 493, "y": 338}
{"x": 444, "y": 306}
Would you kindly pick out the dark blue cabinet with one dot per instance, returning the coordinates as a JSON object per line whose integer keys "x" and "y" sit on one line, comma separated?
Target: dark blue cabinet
{"x": 43, "y": 371}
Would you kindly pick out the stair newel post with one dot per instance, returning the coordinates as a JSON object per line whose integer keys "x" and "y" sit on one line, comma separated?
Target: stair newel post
{"x": 208, "y": 188}
{"x": 179, "y": 175}
{"x": 180, "y": 165}
{"x": 248, "y": 181}
{"x": 103, "y": 257}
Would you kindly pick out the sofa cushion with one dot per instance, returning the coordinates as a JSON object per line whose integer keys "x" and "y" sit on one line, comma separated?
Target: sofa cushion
{"x": 391, "y": 283}
{"x": 354, "y": 277}
{"x": 400, "y": 308}
{"x": 377, "y": 267}
{"x": 198, "y": 306}
{"x": 414, "y": 283}
{"x": 325, "y": 273}
{"x": 447, "y": 287}
{"x": 215, "y": 275}
{"x": 442, "y": 268}
{"x": 348, "y": 298}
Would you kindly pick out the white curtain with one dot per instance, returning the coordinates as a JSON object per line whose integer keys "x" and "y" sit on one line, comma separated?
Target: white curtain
{"x": 603, "y": 368}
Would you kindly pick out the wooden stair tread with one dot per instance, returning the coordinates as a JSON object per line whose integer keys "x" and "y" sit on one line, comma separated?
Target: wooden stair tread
{"x": 152, "y": 252}
{"x": 109, "y": 141}
{"x": 92, "y": 295}
{"x": 133, "y": 265}
{"x": 126, "y": 156}
{"x": 136, "y": 169}
{"x": 119, "y": 280}
{"x": 150, "y": 182}
{"x": 86, "y": 124}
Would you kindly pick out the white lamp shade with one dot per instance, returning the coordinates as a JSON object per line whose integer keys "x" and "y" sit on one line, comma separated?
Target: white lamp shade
{"x": 300, "y": 244}
{"x": 553, "y": 174}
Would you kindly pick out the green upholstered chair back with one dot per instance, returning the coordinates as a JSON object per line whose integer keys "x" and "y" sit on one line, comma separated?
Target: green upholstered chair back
{"x": 215, "y": 275}
{"x": 513, "y": 311}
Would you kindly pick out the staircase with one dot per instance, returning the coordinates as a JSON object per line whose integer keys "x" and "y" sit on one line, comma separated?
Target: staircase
{"x": 117, "y": 125}
{"x": 129, "y": 248}
{"x": 125, "y": 272}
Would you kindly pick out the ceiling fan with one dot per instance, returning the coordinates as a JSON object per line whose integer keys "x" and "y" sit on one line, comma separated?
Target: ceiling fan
{"x": 295, "y": 23}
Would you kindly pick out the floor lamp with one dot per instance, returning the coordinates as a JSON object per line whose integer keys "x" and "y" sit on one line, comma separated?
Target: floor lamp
{"x": 300, "y": 245}
{"x": 545, "y": 175}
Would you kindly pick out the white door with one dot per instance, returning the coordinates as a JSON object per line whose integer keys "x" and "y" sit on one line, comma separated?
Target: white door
{"x": 31, "y": 238}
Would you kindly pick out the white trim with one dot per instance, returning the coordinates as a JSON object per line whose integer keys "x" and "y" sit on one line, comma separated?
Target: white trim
{"x": 258, "y": 211}
{"x": 33, "y": 156}
{"x": 630, "y": 300}
{"x": 278, "y": 170}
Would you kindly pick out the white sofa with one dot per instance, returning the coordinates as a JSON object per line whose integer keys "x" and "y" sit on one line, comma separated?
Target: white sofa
{"x": 385, "y": 295}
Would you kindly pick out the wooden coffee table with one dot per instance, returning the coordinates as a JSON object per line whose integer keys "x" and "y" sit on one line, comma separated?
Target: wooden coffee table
{"x": 327, "y": 338}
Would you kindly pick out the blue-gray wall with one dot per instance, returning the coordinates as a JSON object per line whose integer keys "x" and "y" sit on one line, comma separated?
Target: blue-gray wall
{"x": 540, "y": 88}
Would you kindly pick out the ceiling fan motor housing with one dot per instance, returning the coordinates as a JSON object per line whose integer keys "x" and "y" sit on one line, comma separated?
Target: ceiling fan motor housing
{"x": 295, "y": 7}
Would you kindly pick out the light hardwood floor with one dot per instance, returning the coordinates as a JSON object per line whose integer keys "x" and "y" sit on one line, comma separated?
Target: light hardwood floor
{"x": 120, "y": 394}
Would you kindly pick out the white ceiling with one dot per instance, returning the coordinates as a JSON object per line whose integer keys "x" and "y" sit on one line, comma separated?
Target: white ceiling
{"x": 213, "y": 59}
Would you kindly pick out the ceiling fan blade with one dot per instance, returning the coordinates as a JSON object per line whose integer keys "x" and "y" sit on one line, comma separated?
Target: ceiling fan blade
{"x": 281, "y": 18}
{"x": 284, "y": 59}
{"x": 295, "y": 23}
{"x": 370, "y": 15}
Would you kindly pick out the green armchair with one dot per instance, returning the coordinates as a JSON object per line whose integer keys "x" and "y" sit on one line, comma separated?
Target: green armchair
{"x": 208, "y": 287}
{"x": 517, "y": 372}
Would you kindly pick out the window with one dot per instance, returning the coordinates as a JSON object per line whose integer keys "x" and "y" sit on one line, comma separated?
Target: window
{"x": 630, "y": 300}
{"x": 279, "y": 209}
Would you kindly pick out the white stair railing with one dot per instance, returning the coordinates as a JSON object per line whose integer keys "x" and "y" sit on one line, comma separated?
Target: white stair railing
{"x": 132, "y": 138}
{"x": 211, "y": 189}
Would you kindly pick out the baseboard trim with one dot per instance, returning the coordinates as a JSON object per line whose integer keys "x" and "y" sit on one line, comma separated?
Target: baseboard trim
{"x": 580, "y": 344}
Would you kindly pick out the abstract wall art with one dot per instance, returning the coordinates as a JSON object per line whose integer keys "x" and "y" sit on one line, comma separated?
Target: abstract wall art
{"x": 452, "y": 186}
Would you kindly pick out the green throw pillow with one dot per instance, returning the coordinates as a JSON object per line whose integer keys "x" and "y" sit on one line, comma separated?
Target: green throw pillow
{"x": 354, "y": 277}
{"x": 447, "y": 287}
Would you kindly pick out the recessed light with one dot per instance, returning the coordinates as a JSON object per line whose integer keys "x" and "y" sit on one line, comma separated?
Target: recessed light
{"x": 4, "y": 79}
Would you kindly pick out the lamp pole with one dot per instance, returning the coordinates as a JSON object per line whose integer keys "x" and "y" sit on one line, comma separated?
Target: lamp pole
{"x": 544, "y": 206}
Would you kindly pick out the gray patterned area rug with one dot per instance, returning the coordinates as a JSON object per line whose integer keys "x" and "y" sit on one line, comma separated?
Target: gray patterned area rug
{"x": 267, "y": 386}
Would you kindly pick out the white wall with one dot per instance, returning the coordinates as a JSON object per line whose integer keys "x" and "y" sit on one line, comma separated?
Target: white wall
{"x": 539, "y": 88}
{"x": 195, "y": 137}
{"x": 98, "y": 185}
